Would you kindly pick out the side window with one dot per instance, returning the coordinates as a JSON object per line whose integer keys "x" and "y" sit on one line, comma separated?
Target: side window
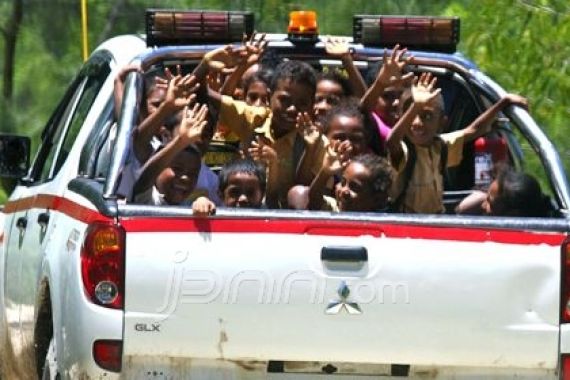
{"x": 63, "y": 127}
{"x": 94, "y": 159}
{"x": 50, "y": 142}
{"x": 90, "y": 90}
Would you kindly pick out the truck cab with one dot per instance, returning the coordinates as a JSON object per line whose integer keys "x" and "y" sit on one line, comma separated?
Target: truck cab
{"x": 96, "y": 287}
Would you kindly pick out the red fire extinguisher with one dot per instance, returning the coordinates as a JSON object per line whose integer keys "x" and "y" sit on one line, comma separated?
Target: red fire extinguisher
{"x": 490, "y": 150}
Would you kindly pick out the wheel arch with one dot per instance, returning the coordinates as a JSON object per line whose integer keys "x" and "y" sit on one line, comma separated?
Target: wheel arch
{"x": 43, "y": 330}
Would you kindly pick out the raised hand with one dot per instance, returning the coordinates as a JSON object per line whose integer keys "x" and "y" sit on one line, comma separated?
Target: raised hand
{"x": 161, "y": 83}
{"x": 263, "y": 152}
{"x": 423, "y": 90}
{"x": 516, "y": 100}
{"x": 309, "y": 130}
{"x": 393, "y": 66}
{"x": 215, "y": 81}
{"x": 345, "y": 151}
{"x": 169, "y": 75}
{"x": 181, "y": 90}
{"x": 336, "y": 157}
{"x": 225, "y": 58}
{"x": 193, "y": 123}
{"x": 337, "y": 47}
{"x": 254, "y": 48}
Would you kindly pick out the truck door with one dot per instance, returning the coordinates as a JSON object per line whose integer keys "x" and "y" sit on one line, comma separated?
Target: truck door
{"x": 52, "y": 170}
{"x": 15, "y": 227}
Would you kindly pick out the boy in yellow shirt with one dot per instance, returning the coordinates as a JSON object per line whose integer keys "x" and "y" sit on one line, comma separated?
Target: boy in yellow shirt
{"x": 419, "y": 125}
{"x": 292, "y": 93}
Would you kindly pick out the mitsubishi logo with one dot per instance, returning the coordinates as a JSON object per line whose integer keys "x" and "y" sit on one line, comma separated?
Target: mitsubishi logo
{"x": 336, "y": 306}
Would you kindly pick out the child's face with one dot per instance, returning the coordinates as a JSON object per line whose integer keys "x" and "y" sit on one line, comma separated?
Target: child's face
{"x": 243, "y": 190}
{"x": 286, "y": 102}
{"x": 327, "y": 95}
{"x": 355, "y": 193}
{"x": 426, "y": 125}
{"x": 177, "y": 182}
{"x": 239, "y": 92}
{"x": 387, "y": 105}
{"x": 343, "y": 128}
{"x": 257, "y": 94}
{"x": 154, "y": 99}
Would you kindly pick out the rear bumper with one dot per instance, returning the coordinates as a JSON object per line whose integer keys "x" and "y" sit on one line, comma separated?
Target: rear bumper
{"x": 139, "y": 367}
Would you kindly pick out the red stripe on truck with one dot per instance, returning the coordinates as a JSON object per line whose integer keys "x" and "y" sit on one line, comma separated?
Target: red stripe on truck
{"x": 65, "y": 206}
{"x": 338, "y": 228}
{"x": 287, "y": 226}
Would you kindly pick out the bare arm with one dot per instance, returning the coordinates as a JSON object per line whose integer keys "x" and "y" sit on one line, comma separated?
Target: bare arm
{"x": 397, "y": 134}
{"x": 180, "y": 93}
{"x": 423, "y": 92}
{"x": 312, "y": 139}
{"x": 316, "y": 190}
{"x": 472, "y": 204}
{"x": 190, "y": 131}
{"x": 254, "y": 50}
{"x": 333, "y": 163}
{"x": 232, "y": 81}
{"x": 482, "y": 124}
{"x": 218, "y": 60}
{"x": 262, "y": 151}
{"x": 119, "y": 86}
{"x": 156, "y": 164}
{"x": 339, "y": 48}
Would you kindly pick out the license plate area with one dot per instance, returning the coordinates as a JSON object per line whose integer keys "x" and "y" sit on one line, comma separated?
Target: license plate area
{"x": 328, "y": 368}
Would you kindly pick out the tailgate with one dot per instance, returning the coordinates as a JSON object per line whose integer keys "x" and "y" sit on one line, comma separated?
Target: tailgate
{"x": 360, "y": 292}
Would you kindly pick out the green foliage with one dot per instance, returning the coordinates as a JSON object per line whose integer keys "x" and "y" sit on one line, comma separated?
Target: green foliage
{"x": 523, "y": 45}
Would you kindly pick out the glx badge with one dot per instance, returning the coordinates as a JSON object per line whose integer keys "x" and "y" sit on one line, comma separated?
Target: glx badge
{"x": 145, "y": 327}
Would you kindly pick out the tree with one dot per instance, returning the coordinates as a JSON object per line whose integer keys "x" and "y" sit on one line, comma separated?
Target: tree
{"x": 10, "y": 34}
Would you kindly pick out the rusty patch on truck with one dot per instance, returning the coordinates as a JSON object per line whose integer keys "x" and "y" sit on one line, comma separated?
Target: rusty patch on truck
{"x": 223, "y": 338}
{"x": 249, "y": 365}
{"x": 427, "y": 374}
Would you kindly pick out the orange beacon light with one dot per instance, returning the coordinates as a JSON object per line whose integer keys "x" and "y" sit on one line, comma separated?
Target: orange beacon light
{"x": 303, "y": 26}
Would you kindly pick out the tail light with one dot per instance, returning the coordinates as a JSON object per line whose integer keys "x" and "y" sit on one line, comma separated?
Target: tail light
{"x": 565, "y": 285}
{"x": 103, "y": 264}
{"x": 565, "y": 367}
{"x": 108, "y": 354}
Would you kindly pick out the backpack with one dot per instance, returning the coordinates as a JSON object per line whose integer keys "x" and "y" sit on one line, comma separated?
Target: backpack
{"x": 409, "y": 169}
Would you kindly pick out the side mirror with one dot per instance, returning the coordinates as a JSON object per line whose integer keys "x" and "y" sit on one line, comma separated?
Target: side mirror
{"x": 14, "y": 156}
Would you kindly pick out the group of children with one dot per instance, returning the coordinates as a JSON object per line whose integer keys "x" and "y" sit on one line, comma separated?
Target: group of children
{"x": 307, "y": 141}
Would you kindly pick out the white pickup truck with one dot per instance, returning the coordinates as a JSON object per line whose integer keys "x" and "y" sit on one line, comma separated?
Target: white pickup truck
{"x": 93, "y": 288}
